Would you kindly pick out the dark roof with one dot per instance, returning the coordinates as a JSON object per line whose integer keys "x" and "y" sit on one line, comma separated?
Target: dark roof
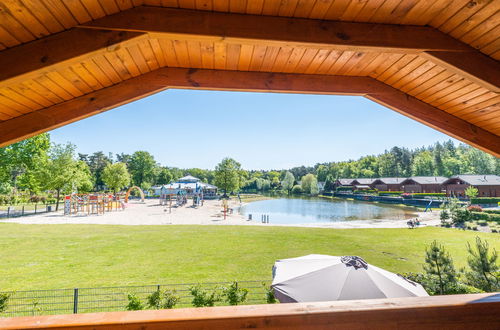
{"x": 365, "y": 181}
{"x": 427, "y": 179}
{"x": 478, "y": 180}
{"x": 345, "y": 182}
{"x": 390, "y": 180}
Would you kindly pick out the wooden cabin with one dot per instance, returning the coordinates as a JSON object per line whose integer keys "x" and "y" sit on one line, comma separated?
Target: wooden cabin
{"x": 388, "y": 184}
{"x": 487, "y": 185}
{"x": 436, "y": 62}
{"x": 423, "y": 184}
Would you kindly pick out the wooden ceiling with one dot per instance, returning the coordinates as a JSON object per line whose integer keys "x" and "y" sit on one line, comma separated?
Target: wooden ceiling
{"x": 435, "y": 61}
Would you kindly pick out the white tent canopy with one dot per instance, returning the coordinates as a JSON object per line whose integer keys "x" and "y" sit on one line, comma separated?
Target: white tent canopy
{"x": 318, "y": 277}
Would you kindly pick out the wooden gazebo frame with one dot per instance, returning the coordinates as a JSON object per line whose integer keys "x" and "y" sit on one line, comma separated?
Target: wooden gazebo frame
{"x": 435, "y": 61}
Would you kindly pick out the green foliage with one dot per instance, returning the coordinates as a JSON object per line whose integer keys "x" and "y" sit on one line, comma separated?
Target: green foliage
{"x": 134, "y": 303}
{"x": 459, "y": 216}
{"x": 165, "y": 176}
{"x": 309, "y": 184}
{"x": 439, "y": 270}
{"x": 270, "y": 298}
{"x": 471, "y": 192}
{"x": 203, "y": 298}
{"x": 4, "y": 300}
{"x": 227, "y": 175}
{"x": 116, "y": 176}
{"x": 485, "y": 200}
{"x": 165, "y": 299}
{"x": 288, "y": 181}
{"x": 479, "y": 216}
{"x": 444, "y": 216}
{"x": 484, "y": 271}
{"x": 492, "y": 211}
{"x": 390, "y": 193}
{"x": 234, "y": 295}
{"x": 143, "y": 169}
{"x": 297, "y": 189}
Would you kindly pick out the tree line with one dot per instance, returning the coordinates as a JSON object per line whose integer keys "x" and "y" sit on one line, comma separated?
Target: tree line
{"x": 36, "y": 165}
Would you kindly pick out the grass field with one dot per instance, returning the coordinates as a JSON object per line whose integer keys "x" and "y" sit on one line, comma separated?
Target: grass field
{"x": 67, "y": 256}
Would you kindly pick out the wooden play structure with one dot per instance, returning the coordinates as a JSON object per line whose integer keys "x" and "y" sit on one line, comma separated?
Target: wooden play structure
{"x": 87, "y": 204}
{"x": 127, "y": 195}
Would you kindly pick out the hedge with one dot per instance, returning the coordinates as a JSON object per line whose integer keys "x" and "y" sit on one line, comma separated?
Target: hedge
{"x": 495, "y": 217}
{"x": 485, "y": 200}
{"x": 384, "y": 193}
{"x": 480, "y": 216}
{"x": 368, "y": 191}
{"x": 492, "y": 211}
{"x": 430, "y": 194}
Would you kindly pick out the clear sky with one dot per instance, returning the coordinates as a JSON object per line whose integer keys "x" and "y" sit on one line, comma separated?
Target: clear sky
{"x": 186, "y": 128}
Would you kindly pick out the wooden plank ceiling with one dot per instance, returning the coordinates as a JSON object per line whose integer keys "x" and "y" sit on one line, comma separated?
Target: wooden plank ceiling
{"x": 442, "y": 54}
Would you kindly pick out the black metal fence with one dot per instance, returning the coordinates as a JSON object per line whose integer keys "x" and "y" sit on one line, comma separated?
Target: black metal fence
{"x": 109, "y": 299}
{"x": 22, "y": 210}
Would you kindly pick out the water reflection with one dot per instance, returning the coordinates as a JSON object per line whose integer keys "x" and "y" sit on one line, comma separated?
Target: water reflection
{"x": 314, "y": 210}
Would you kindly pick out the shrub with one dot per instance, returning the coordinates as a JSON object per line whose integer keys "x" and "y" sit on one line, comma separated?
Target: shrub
{"x": 270, "y": 298}
{"x": 429, "y": 194}
{"x": 163, "y": 299}
{"x": 480, "y": 216}
{"x": 495, "y": 217}
{"x": 474, "y": 228}
{"x": 443, "y": 216}
{"x": 234, "y": 294}
{"x": 297, "y": 189}
{"x": 4, "y": 299}
{"x": 202, "y": 298}
{"x": 485, "y": 200}
{"x": 482, "y": 222}
{"x": 459, "y": 216}
{"x": 492, "y": 211}
{"x": 390, "y": 193}
{"x": 134, "y": 303}
{"x": 475, "y": 208}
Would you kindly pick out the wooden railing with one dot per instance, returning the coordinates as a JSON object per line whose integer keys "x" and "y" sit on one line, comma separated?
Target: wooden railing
{"x": 474, "y": 311}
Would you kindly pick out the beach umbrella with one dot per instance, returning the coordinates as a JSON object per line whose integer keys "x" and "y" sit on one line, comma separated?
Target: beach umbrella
{"x": 318, "y": 277}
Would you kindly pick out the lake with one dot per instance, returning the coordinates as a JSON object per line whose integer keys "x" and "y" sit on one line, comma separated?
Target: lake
{"x": 318, "y": 210}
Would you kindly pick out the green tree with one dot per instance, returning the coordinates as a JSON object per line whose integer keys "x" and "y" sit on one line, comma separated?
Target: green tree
{"x": 227, "y": 174}
{"x": 97, "y": 162}
{"x": 63, "y": 173}
{"x": 142, "y": 168}
{"x": 288, "y": 181}
{"x": 484, "y": 271}
{"x": 309, "y": 184}
{"x": 471, "y": 192}
{"x": 439, "y": 269}
{"x": 423, "y": 164}
{"x": 116, "y": 176}
{"x": 164, "y": 176}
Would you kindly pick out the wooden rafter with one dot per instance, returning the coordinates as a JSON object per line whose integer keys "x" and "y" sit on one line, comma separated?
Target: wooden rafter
{"x": 99, "y": 101}
{"x": 280, "y": 31}
{"x": 23, "y": 62}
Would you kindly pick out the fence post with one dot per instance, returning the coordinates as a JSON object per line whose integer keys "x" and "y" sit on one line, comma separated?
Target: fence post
{"x": 75, "y": 301}
{"x": 22, "y": 212}
{"x": 35, "y": 207}
{"x": 8, "y": 211}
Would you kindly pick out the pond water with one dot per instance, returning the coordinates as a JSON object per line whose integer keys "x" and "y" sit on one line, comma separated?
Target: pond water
{"x": 318, "y": 210}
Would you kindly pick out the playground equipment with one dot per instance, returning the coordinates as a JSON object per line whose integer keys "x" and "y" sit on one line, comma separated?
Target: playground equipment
{"x": 127, "y": 195}
{"x": 92, "y": 203}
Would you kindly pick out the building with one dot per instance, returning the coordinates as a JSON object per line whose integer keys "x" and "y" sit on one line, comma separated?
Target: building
{"x": 423, "y": 184}
{"x": 487, "y": 185}
{"x": 387, "y": 184}
{"x": 189, "y": 185}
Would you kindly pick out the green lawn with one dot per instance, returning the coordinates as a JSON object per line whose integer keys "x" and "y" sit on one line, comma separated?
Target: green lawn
{"x": 67, "y": 256}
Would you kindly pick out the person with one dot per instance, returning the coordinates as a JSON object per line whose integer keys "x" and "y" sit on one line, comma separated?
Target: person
{"x": 417, "y": 222}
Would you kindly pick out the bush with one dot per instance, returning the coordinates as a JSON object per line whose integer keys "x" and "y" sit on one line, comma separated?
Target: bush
{"x": 492, "y": 211}
{"x": 482, "y": 223}
{"x": 495, "y": 217}
{"x": 429, "y": 195}
{"x": 234, "y": 294}
{"x": 163, "y": 299}
{"x": 297, "y": 189}
{"x": 134, "y": 303}
{"x": 270, "y": 298}
{"x": 480, "y": 216}
{"x": 202, "y": 298}
{"x": 485, "y": 200}
{"x": 4, "y": 299}
{"x": 390, "y": 193}
{"x": 475, "y": 208}
{"x": 459, "y": 216}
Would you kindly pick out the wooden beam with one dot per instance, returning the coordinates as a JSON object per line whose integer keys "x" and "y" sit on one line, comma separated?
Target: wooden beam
{"x": 471, "y": 311}
{"x": 279, "y": 31}
{"x": 26, "y": 61}
{"x": 473, "y": 65}
{"x": 61, "y": 114}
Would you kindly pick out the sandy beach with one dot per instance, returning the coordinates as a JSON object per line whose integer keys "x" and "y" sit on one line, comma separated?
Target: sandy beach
{"x": 152, "y": 213}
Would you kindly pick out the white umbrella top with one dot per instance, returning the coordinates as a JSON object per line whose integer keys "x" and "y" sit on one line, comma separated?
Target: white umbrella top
{"x": 324, "y": 278}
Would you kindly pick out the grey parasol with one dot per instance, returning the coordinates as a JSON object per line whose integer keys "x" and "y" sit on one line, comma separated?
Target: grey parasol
{"x": 318, "y": 277}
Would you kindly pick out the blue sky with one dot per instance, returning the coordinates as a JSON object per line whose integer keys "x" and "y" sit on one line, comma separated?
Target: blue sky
{"x": 186, "y": 128}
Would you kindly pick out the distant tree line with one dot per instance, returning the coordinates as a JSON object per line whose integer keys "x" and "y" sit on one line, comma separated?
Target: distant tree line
{"x": 36, "y": 165}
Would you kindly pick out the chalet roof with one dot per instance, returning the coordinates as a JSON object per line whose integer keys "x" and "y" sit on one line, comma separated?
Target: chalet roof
{"x": 477, "y": 180}
{"x": 188, "y": 178}
{"x": 365, "y": 181}
{"x": 427, "y": 179}
{"x": 345, "y": 182}
{"x": 395, "y": 180}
